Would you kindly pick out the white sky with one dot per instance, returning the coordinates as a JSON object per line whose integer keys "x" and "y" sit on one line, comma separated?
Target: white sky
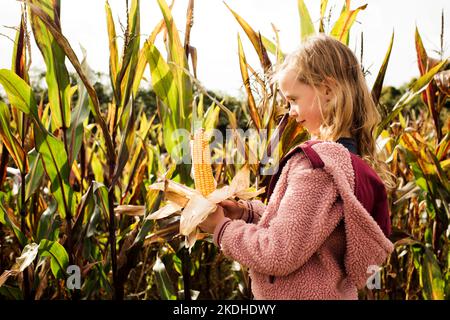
{"x": 215, "y": 30}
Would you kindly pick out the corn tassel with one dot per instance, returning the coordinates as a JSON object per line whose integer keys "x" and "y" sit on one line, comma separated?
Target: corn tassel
{"x": 201, "y": 162}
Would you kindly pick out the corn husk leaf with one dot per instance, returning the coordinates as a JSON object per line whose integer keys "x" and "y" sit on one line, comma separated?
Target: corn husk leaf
{"x": 28, "y": 255}
{"x": 195, "y": 212}
{"x": 165, "y": 211}
{"x": 130, "y": 210}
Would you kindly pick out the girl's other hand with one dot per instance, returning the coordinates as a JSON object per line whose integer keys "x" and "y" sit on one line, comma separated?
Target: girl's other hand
{"x": 233, "y": 209}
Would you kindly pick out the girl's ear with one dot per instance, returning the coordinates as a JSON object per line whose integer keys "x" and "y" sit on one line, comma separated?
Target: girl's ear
{"x": 327, "y": 88}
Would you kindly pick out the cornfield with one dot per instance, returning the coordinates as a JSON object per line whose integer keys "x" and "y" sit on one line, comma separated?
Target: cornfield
{"x": 76, "y": 171}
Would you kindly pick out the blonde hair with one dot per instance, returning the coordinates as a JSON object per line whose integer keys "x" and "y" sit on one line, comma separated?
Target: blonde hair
{"x": 323, "y": 60}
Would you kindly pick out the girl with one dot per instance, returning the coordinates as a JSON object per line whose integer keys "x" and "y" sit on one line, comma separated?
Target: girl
{"x": 326, "y": 224}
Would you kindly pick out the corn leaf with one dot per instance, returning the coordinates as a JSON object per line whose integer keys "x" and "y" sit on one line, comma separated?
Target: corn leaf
{"x": 113, "y": 52}
{"x": 125, "y": 146}
{"x": 79, "y": 114}
{"x": 20, "y": 67}
{"x": 323, "y": 8}
{"x": 245, "y": 77}
{"x": 19, "y": 59}
{"x": 126, "y": 74}
{"x": 177, "y": 62}
{"x": 273, "y": 48}
{"x": 9, "y": 140}
{"x": 211, "y": 117}
{"x": 163, "y": 282}
{"x": 48, "y": 225}
{"x": 165, "y": 88}
{"x": 19, "y": 92}
{"x": 341, "y": 28}
{"x": 59, "y": 259}
{"x": 429, "y": 95}
{"x": 34, "y": 177}
{"x": 378, "y": 85}
{"x": 306, "y": 25}
{"x": 255, "y": 39}
{"x": 65, "y": 46}
{"x": 422, "y": 56}
{"x": 154, "y": 198}
{"x": 57, "y": 76}
{"x": 418, "y": 86}
{"x": 101, "y": 197}
{"x": 443, "y": 147}
{"x": 5, "y": 220}
{"x": 51, "y": 149}
{"x": 56, "y": 165}
{"x": 431, "y": 276}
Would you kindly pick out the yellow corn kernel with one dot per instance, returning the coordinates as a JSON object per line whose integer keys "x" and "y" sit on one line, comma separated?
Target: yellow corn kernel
{"x": 201, "y": 162}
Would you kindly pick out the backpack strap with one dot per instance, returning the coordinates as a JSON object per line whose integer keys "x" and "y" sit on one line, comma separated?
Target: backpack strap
{"x": 311, "y": 155}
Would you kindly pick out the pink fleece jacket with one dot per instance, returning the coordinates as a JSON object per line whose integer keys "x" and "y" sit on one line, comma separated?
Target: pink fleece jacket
{"x": 314, "y": 239}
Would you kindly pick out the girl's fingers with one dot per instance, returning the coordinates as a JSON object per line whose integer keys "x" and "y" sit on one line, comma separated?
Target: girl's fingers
{"x": 228, "y": 203}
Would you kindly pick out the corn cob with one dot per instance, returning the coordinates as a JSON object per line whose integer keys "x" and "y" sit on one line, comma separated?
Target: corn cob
{"x": 201, "y": 162}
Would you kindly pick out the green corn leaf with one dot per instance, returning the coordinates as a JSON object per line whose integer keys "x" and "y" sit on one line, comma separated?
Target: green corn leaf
{"x": 126, "y": 75}
{"x": 211, "y": 117}
{"x": 140, "y": 68}
{"x": 178, "y": 64}
{"x": 431, "y": 277}
{"x": 35, "y": 174}
{"x": 306, "y": 25}
{"x": 101, "y": 198}
{"x": 418, "y": 86}
{"x": 341, "y": 28}
{"x": 378, "y": 85}
{"x": 113, "y": 52}
{"x": 165, "y": 88}
{"x": 65, "y": 46}
{"x": 125, "y": 146}
{"x": 48, "y": 226}
{"x": 163, "y": 282}
{"x": 20, "y": 94}
{"x": 56, "y": 165}
{"x": 273, "y": 48}
{"x": 79, "y": 114}
{"x": 5, "y": 220}
{"x": 59, "y": 259}
{"x": 154, "y": 198}
{"x": 9, "y": 140}
{"x": 57, "y": 76}
{"x": 51, "y": 149}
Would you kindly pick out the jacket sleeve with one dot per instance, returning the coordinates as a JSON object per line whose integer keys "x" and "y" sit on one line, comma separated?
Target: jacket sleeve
{"x": 255, "y": 209}
{"x": 304, "y": 220}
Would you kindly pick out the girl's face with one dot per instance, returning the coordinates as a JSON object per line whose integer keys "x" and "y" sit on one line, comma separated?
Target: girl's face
{"x": 304, "y": 101}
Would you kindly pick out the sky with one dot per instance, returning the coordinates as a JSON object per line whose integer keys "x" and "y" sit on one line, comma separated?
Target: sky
{"x": 214, "y": 33}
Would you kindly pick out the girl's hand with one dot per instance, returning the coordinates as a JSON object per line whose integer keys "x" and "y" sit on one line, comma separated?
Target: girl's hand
{"x": 232, "y": 209}
{"x": 209, "y": 224}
